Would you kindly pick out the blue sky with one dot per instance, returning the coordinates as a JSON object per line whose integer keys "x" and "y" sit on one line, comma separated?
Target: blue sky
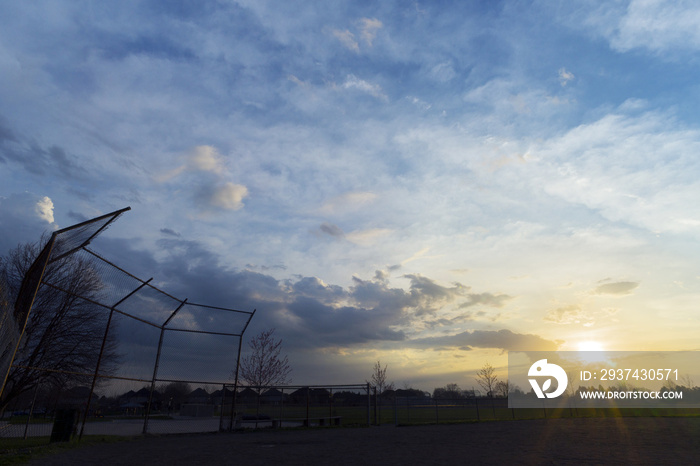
{"x": 431, "y": 183}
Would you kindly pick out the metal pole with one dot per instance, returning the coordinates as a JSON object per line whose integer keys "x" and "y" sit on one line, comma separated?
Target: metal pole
{"x": 376, "y": 419}
{"x": 102, "y": 349}
{"x": 238, "y": 364}
{"x": 155, "y": 366}
{"x": 396, "y": 410}
{"x": 221, "y": 410}
{"x": 31, "y": 411}
{"x": 235, "y": 386}
{"x": 369, "y": 405}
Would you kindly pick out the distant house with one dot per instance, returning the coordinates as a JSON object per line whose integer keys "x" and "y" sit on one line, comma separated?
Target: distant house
{"x": 273, "y": 396}
{"x": 247, "y": 395}
{"x": 314, "y": 396}
{"x": 199, "y": 396}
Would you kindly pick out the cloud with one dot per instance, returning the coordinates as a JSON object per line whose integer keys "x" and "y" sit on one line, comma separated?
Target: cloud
{"x": 207, "y": 159}
{"x": 44, "y": 209}
{"x": 333, "y": 230}
{"x": 36, "y": 159}
{"x": 656, "y": 25}
{"x": 633, "y": 168}
{"x": 574, "y": 314}
{"x": 486, "y": 299}
{"x": 228, "y": 196}
{"x": 353, "y": 82}
{"x": 369, "y": 28}
{"x": 617, "y": 288}
{"x": 347, "y": 202}
{"x": 565, "y": 76}
{"x": 204, "y": 159}
{"x": 169, "y": 232}
{"x": 443, "y": 72}
{"x": 346, "y": 38}
{"x": 23, "y": 218}
{"x": 368, "y": 237}
{"x": 502, "y": 339}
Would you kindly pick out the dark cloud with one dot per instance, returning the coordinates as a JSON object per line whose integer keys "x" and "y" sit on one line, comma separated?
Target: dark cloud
{"x": 169, "y": 232}
{"x": 502, "y": 339}
{"x": 34, "y": 158}
{"x": 617, "y": 288}
{"x": 307, "y": 313}
{"x": 333, "y": 230}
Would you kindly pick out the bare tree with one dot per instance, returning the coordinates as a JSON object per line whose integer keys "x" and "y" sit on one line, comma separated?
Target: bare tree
{"x": 502, "y": 388}
{"x": 487, "y": 379}
{"x": 64, "y": 331}
{"x": 378, "y": 378}
{"x": 265, "y": 366}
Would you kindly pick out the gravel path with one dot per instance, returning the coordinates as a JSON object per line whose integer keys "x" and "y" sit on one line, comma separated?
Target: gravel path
{"x": 556, "y": 441}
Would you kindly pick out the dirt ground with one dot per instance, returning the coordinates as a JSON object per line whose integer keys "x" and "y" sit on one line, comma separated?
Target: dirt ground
{"x": 554, "y": 441}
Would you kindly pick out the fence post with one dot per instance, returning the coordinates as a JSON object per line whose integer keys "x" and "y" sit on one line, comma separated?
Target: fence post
{"x": 155, "y": 366}
{"x": 396, "y": 410}
{"x": 102, "y": 350}
{"x": 437, "y": 416}
{"x": 369, "y": 406}
{"x": 221, "y": 410}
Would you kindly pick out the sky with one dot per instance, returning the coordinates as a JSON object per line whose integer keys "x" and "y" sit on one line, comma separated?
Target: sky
{"x": 429, "y": 184}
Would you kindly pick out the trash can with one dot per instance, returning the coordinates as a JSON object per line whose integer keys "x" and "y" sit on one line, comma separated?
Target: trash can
{"x": 64, "y": 425}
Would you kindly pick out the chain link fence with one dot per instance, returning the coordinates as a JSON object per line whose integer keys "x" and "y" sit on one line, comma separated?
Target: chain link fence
{"x": 90, "y": 343}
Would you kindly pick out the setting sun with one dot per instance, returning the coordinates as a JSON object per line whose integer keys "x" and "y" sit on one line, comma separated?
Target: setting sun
{"x": 590, "y": 346}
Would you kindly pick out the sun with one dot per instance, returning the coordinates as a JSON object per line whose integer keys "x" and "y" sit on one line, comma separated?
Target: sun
{"x": 590, "y": 346}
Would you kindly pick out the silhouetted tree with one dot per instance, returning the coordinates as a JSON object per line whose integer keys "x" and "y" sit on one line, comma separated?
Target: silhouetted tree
{"x": 487, "y": 379}
{"x": 64, "y": 331}
{"x": 378, "y": 378}
{"x": 502, "y": 388}
{"x": 265, "y": 366}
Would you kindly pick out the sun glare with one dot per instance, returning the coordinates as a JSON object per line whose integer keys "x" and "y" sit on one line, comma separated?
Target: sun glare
{"x": 590, "y": 346}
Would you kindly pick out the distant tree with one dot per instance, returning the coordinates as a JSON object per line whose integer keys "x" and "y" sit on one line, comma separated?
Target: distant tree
{"x": 502, "y": 388}
{"x": 265, "y": 366}
{"x": 64, "y": 332}
{"x": 487, "y": 379}
{"x": 174, "y": 394}
{"x": 451, "y": 391}
{"x": 378, "y": 378}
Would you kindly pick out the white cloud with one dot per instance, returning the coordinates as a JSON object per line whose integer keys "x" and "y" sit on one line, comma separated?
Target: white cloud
{"x": 229, "y": 196}
{"x": 346, "y": 38}
{"x": 369, "y": 28}
{"x": 443, "y": 72}
{"x": 347, "y": 202}
{"x": 633, "y": 169}
{"x": 565, "y": 76}
{"x": 656, "y": 25}
{"x": 23, "y": 218}
{"x": 353, "y": 82}
{"x": 44, "y": 209}
{"x": 367, "y": 237}
{"x": 206, "y": 158}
